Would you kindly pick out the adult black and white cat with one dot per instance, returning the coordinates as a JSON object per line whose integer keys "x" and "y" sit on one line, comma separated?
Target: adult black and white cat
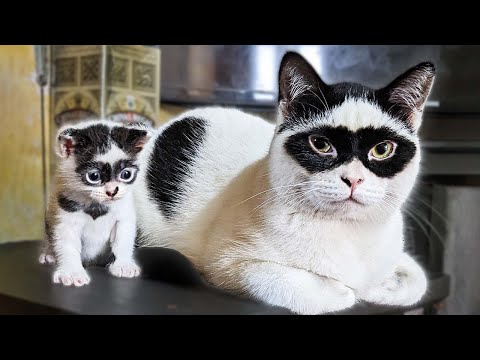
{"x": 91, "y": 214}
{"x": 305, "y": 215}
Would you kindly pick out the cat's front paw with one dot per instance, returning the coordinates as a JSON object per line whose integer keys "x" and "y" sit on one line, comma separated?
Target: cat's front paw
{"x": 68, "y": 277}
{"x": 124, "y": 269}
{"x": 401, "y": 289}
{"x": 330, "y": 296}
{"x": 46, "y": 258}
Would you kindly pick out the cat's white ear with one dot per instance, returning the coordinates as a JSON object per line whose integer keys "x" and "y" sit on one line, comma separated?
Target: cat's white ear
{"x": 65, "y": 143}
{"x": 408, "y": 93}
{"x": 297, "y": 78}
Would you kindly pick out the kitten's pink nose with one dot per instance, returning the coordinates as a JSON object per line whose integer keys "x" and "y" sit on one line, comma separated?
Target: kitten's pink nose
{"x": 352, "y": 182}
{"x": 112, "y": 194}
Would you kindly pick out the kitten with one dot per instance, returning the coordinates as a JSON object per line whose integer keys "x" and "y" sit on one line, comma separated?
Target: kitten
{"x": 305, "y": 215}
{"x": 91, "y": 214}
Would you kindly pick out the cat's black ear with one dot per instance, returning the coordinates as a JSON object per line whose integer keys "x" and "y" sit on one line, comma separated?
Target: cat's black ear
{"x": 139, "y": 138}
{"x": 408, "y": 93}
{"x": 297, "y": 78}
{"x": 132, "y": 137}
{"x": 66, "y": 143}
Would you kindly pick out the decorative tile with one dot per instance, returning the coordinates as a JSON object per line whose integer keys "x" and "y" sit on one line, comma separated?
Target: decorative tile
{"x": 66, "y": 72}
{"x": 117, "y": 71}
{"x": 90, "y": 69}
{"x": 144, "y": 76}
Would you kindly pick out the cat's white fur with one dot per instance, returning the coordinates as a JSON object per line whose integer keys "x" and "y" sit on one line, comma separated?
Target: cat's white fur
{"x": 82, "y": 238}
{"x": 243, "y": 234}
{"x": 77, "y": 237}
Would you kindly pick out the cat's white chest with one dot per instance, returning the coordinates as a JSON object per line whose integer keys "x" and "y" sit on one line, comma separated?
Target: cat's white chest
{"x": 356, "y": 255}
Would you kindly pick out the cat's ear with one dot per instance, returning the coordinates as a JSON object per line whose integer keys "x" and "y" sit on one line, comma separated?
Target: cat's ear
{"x": 66, "y": 143}
{"x": 132, "y": 137}
{"x": 297, "y": 78}
{"x": 138, "y": 136}
{"x": 408, "y": 93}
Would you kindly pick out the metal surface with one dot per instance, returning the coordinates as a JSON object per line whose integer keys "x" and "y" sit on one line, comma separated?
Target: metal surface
{"x": 246, "y": 75}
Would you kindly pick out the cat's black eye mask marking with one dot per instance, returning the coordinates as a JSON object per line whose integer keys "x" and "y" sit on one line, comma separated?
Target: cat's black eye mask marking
{"x": 350, "y": 145}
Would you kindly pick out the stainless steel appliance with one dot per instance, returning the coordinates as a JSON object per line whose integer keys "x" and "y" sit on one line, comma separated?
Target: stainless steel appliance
{"x": 246, "y": 75}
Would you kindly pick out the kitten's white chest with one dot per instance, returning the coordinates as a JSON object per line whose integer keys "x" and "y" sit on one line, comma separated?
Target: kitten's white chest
{"x": 96, "y": 235}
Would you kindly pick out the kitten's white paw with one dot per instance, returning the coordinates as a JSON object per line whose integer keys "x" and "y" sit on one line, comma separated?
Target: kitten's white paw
{"x": 401, "y": 289}
{"x": 46, "y": 258}
{"x": 67, "y": 277}
{"x": 126, "y": 270}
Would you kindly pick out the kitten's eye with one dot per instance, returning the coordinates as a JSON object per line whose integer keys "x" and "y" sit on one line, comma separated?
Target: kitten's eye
{"x": 93, "y": 177}
{"x": 127, "y": 175}
{"x": 382, "y": 151}
{"x": 321, "y": 146}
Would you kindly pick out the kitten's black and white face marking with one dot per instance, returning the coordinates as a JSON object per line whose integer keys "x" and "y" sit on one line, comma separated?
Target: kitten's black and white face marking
{"x": 102, "y": 159}
{"x": 345, "y": 150}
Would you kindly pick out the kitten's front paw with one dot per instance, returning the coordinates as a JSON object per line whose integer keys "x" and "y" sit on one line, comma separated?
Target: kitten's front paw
{"x": 46, "y": 258}
{"x": 126, "y": 270}
{"x": 67, "y": 277}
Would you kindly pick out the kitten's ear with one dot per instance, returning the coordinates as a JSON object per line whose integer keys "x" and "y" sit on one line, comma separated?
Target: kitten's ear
{"x": 408, "y": 93}
{"x": 138, "y": 137}
{"x": 65, "y": 143}
{"x": 297, "y": 78}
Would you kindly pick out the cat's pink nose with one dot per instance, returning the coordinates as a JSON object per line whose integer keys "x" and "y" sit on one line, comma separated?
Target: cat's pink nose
{"x": 112, "y": 194}
{"x": 352, "y": 182}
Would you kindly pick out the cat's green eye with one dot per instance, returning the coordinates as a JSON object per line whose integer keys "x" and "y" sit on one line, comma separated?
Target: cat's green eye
{"x": 320, "y": 145}
{"x": 382, "y": 151}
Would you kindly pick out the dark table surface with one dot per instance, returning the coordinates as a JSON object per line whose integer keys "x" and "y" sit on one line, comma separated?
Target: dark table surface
{"x": 168, "y": 285}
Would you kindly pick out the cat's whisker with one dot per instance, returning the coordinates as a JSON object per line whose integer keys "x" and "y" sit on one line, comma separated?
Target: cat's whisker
{"x": 275, "y": 188}
{"x": 427, "y": 204}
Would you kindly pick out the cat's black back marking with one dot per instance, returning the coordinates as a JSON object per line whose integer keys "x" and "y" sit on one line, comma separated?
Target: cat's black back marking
{"x": 350, "y": 145}
{"x": 95, "y": 210}
{"x": 174, "y": 151}
{"x": 67, "y": 204}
